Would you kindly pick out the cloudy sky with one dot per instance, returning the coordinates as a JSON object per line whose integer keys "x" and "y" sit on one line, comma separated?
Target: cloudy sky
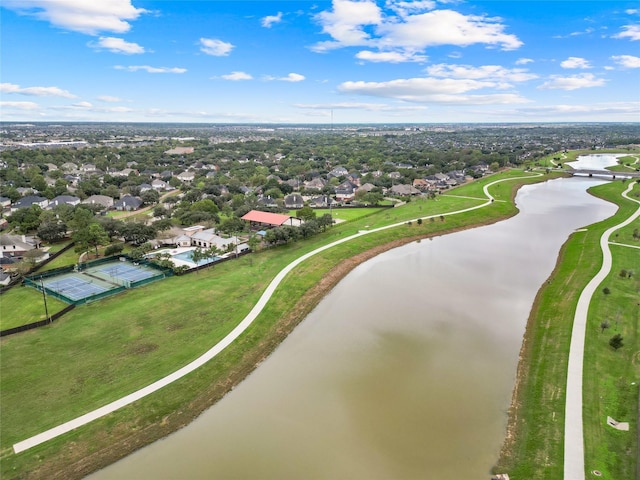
{"x": 365, "y": 61}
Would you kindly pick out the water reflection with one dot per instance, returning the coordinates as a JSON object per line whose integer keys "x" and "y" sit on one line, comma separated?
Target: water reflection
{"x": 404, "y": 370}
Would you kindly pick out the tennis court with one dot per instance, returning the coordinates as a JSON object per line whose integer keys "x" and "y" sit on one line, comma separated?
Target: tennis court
{"x": 122, "y": 273}
{"x": 76, "y": 286}
{"x": 92, "y": 281}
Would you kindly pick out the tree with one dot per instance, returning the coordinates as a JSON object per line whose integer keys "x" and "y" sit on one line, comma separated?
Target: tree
{"x": 114, "y": 249}
{"x": 197, "y": 255}
{"x": 25, "y": 219}
{"x": 616, "y": 341}
{"x": 325, "y": 221}
{"x": 306, "y": 213}
{"x": 606, "y": 290}
{"x": 604, "y": 325}
{"x": 231, "y": 225}
{"x": 150, "y": 197}
{"x": 52, "y": 231}
{"x": 254, "y": 242}
{"x": 90, "y": 237}
{"x": 137, "y": 233}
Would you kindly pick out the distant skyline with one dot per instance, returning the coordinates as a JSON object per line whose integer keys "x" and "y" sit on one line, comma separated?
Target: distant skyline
{"x": 366, "y": 61}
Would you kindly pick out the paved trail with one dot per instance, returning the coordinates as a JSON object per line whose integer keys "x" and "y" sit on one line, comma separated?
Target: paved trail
{"x": 226, "y": 341}
{"x": 573, "y": 431}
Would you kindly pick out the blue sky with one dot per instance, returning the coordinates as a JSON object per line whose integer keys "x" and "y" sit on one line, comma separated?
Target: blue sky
{"x": 365, "y": 61}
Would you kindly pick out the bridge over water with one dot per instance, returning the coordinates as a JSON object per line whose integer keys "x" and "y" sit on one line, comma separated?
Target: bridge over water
{"x": 602, "y": 173}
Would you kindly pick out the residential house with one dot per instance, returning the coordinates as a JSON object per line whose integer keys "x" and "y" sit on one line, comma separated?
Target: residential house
{"x": 316, "y": 183}
{"x": 127, "y": 203}
{"x": 321, "y": 201}
{"x": 186, "y": 177}
{"x": 345, "y": 192}
{"x": 4, "y": 202}
{"x": 69, "y": 167}
{"x": 293, "y": 201}
{"x": 124, "y": 172}
{"x": 15, "y": 246}
{"x": 354, "y": 178}
{"x": 28, "y": 201}
{"x": 102, "y": 200}
{"x": 63, "y": 199}
{"x": 338, "y": 172}
{"x": 160, "y": 186}
{"x": 267, "y": 201}
{"x": 404, "y": 190}
{"x": 145, "y": 187}
{"x": 367, "y": 187}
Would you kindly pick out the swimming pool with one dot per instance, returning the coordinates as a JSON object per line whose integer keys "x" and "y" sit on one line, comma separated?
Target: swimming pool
{"x": 187, "y": 257}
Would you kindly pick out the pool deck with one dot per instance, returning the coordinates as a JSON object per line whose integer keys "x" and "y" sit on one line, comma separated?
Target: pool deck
{"x": 178, "y": 250}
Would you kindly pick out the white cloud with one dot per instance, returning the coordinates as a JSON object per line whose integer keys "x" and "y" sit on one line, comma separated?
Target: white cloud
{"x": 524, "y": 61}
{"x": 148, "y": 69}
{"x": 292, "y": 77}
{"x": 630, "y": 31}
{"x": 628, "y": 108}
{"x": 82, "y": 105}
{"x": 20, "y": 105}
{"x": 215, "y": 47}
{"x": 484, "y": 72}
{"x": 269, "y": 20}
{"x": 632, "y": 11}
{"x": 575, "y": 62}
{"x": 117, "y": 45}
{"x": 627, "y": 61}
{"x": 371, "y": 107}
{"x": 405, "y": 8}
{"x": 109, "y": 98}
{"x": 345, "y": 24}
{"x": 446, "y": 27}
{"x": 574, "y": 82}
{"x": 390, "y": 57}
{"x": 35, "y": 91}
{"x": 85, "y": 16}
{"x": 436, "y": 90}
{"x": 237, "y": 76}
{"x": 407, "y": 28}
{"x": 117, "y": 109}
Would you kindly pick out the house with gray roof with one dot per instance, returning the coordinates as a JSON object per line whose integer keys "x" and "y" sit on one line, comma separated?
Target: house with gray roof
{"x": 102, "y": 200}
{"x": 28, "y": 201}
{"x": 63, "y": 199}
{"x": 127, "y": 203}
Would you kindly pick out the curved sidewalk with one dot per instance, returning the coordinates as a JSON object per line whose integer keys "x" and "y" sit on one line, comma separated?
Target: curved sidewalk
{"x": 226, "y": 341}
{"x": 573, "y": 432}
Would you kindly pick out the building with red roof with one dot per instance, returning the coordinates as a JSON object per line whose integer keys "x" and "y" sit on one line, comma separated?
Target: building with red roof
{"x": 270, "y": 219}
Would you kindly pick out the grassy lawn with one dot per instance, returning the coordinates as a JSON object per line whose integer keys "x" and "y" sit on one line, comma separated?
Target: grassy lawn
{"x": 345, "y": 214}
{"x": 534, "y": 445}
{"x": 101, "y": 351}
{"x": 22, "y": 305}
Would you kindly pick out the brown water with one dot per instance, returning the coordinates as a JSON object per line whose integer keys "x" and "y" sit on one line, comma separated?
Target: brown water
{"x": 404, "y": 371}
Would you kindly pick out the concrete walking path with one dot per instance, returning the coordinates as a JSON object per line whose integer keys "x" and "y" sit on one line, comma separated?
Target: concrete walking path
{"x": 226, "y": 341}
{"x": 573, "y": 426}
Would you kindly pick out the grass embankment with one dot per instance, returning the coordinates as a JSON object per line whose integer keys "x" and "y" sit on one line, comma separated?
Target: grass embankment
{"x": 534, "y": 444}
{"x": 102, "y": 351}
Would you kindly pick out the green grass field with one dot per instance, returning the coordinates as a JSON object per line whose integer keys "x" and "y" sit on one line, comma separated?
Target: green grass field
{"x": 101, "y": 351}
{"x": 534, "y": 448}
